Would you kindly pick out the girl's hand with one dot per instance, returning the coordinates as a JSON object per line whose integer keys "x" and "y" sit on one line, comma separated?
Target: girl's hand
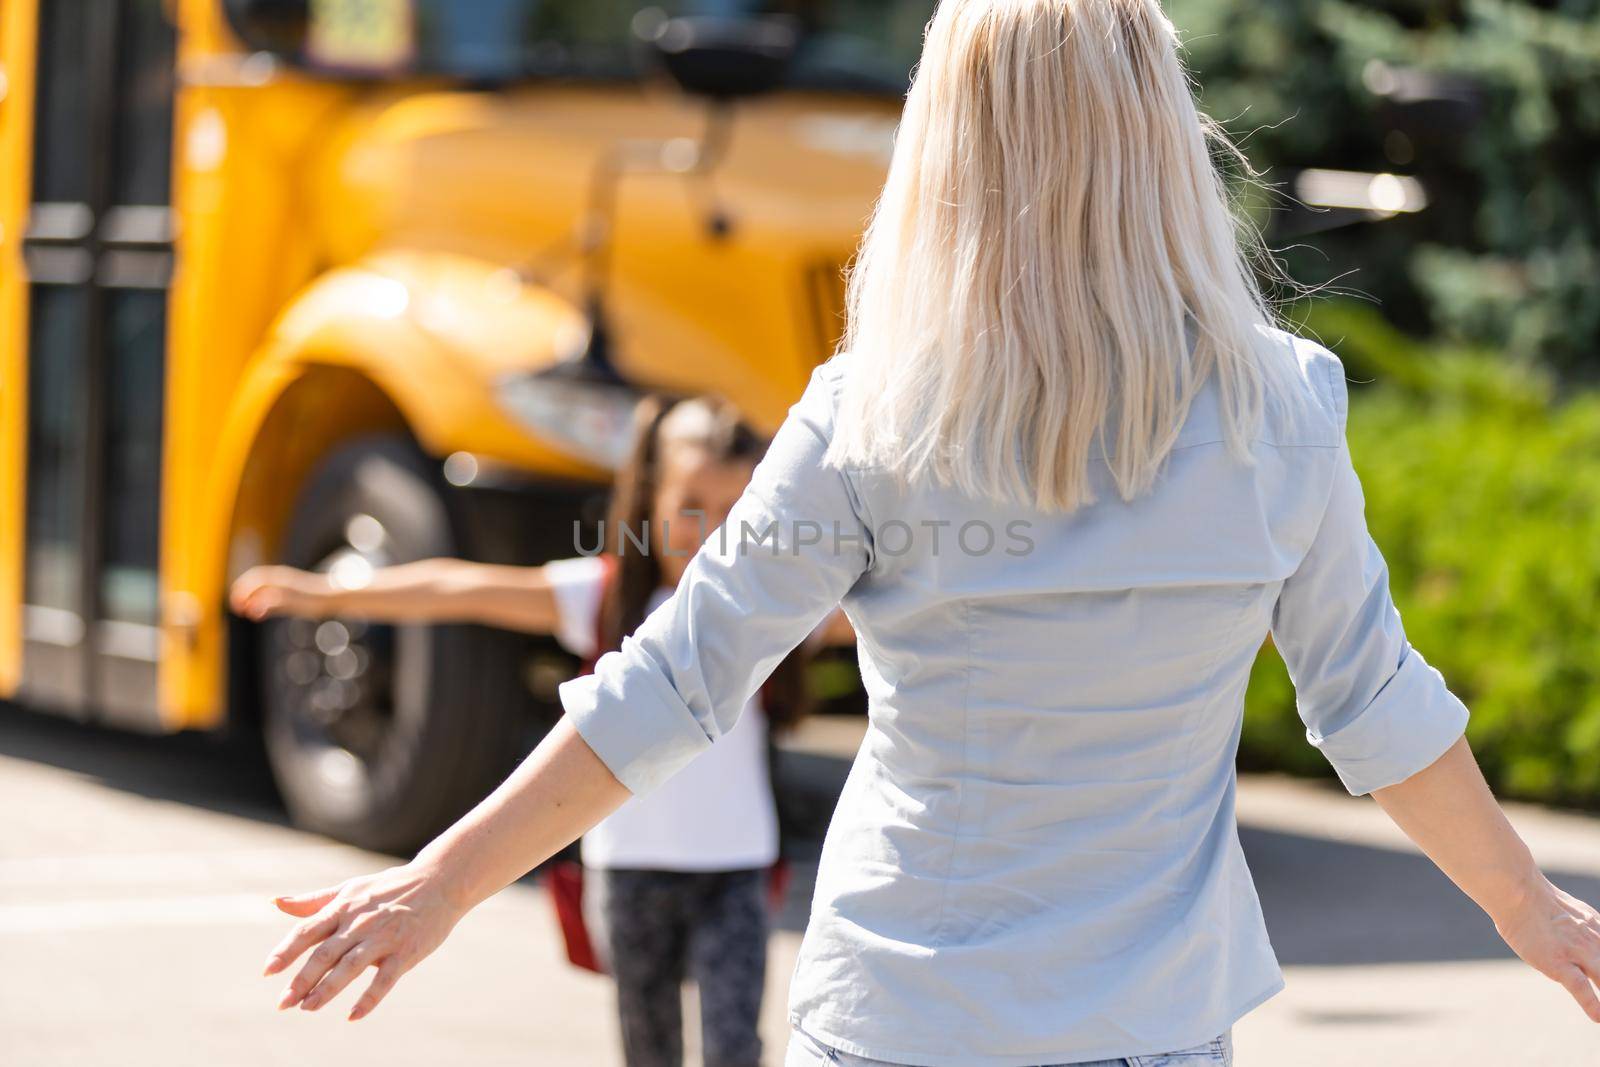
{"x": 276, "y": 590}
{"x": 390, "y": 920}
{"x": 1558, "y": 935}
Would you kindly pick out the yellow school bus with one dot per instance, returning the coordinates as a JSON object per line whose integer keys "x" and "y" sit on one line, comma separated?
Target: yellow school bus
{"x": 341, "y": 282}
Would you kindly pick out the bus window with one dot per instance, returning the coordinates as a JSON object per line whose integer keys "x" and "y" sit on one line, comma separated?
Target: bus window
{"x": 864, "y": 46}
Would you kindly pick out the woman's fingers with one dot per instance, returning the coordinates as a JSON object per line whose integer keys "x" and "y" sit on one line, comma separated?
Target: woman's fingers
{"x": 361, "y": 956}
{"x": 1589, "y": 966}
{"x": 1577, "y": 983}
{"x": 303, "y": 904}
{"x": 298, "y": 940}
{"x": 316, "y": 967}
{"x": 391, "y": 920}
{"x": 389, "y": 972}
{"x": 1585, "y": 953}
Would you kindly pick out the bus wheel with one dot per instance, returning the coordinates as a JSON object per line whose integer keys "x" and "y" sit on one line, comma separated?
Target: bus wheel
{"x": 382, "y": 735}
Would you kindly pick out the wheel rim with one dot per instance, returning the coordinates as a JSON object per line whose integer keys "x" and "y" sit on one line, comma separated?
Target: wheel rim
{"x": 335, "y": 676}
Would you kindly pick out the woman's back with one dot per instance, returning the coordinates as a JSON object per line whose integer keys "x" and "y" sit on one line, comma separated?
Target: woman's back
{"x": 1037, "y": 835}
{"x": 1041, "y": 814}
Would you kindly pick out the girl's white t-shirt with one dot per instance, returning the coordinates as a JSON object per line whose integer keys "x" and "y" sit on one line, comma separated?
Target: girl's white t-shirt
{"x": 718, "y": 813}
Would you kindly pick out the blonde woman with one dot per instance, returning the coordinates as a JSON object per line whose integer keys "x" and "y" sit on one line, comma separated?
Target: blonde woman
{"x": 1065, "y": 479}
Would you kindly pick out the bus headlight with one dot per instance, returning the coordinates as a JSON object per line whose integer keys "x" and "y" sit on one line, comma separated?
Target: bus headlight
{"x": 591, "y": 420}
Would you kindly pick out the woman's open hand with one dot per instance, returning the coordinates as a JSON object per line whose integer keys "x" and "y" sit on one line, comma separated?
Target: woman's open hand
{"x": 1558, "y": 935}
{"x": 1447, "y": 809}
{"x": 390, "y": 920}
{"x": 279, "y": 590}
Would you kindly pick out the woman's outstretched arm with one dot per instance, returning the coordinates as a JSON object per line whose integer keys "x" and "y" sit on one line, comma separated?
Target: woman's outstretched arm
{"x": 1449, "y": 812}
{"x": 429, "y": 590}
{"x": 1391, "y": 727}
{"x": 676, "y": 685}
{"x": 393, "y": 919}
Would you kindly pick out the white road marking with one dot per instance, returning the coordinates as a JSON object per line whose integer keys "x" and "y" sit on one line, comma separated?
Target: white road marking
{"x": 72, "y": 915}
{"x": 148, "y": 868}
{"x": 212, "y": 909}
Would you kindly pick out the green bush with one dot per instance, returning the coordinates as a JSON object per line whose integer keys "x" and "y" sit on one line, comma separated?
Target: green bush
{"x": 1483, "y": 491}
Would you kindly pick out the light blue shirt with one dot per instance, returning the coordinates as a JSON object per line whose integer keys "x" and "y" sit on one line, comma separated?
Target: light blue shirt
{"x": 1035, "y": 858}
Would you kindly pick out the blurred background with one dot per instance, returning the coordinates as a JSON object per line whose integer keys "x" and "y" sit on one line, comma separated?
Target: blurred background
{"x": 347, "y": 282}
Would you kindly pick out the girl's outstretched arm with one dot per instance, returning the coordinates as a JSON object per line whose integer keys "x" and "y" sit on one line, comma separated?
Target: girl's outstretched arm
{"x": 1448, "y": 811}
{"x": 429, "y": 590}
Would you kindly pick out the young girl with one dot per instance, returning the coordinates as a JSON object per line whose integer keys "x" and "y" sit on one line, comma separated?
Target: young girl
{"x": 675, "y": 881}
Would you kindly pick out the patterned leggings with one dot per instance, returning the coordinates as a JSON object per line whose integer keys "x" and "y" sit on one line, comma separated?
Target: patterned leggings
{"x": 656, "y": 928}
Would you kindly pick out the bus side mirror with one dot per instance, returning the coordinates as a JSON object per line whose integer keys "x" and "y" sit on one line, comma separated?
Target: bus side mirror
{"x": 718, "y": 57}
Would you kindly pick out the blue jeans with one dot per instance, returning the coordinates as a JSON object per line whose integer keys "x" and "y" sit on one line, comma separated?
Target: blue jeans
{"x": 807, "y": 1051}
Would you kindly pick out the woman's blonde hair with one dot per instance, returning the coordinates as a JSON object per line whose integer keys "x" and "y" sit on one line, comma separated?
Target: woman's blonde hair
{"x": 1052, "y": 229}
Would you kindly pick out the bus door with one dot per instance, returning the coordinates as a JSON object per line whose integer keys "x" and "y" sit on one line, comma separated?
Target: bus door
{"x": 98, "y": 255}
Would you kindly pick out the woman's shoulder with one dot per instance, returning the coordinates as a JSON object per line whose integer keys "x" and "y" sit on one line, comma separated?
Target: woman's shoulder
{"x": 1316, "y": 377}
{"x": 833, "y": 371}
{"x": 818, "y": 405}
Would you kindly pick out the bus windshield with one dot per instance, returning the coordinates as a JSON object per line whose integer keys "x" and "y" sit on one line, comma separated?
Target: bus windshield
{"x": 865, "y": 46}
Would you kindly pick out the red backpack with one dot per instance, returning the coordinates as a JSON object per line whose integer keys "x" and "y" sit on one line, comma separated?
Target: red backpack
{"x": 564, "y": 875}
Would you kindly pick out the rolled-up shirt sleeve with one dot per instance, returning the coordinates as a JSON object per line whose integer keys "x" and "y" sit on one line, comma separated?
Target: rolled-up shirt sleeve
{"x": 793, "y": 545}
{"x": 1370, "y": 702}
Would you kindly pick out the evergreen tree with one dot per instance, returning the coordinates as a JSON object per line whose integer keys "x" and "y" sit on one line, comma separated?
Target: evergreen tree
{"x": 1493, "y": 104}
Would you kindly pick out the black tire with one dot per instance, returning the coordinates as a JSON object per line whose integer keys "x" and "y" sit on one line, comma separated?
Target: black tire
{"x": 382, "y": 735}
